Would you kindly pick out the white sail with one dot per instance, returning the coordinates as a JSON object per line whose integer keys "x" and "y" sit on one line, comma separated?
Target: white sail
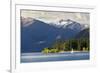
{"x": 72, "y": 51}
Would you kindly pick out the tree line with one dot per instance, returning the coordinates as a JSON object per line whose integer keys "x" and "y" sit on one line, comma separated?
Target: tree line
{"x": 81, "y": 44}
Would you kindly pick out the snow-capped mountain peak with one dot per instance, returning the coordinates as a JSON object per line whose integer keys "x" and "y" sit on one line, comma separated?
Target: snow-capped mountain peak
{"x": 63, "y": 23}
{"x": 71, "y": 24}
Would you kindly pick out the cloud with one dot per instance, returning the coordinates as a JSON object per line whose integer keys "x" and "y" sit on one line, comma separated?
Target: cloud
{"x": 51, "y": 16}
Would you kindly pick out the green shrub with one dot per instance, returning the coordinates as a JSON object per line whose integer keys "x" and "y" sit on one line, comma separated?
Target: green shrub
{"x": 45, "y": 51}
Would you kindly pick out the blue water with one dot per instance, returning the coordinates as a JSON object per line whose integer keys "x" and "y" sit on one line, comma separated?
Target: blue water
{"x": 40, "y": 57}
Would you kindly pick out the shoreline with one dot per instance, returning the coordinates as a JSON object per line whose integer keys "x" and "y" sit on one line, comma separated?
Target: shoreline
{"x": 55, "y": 53}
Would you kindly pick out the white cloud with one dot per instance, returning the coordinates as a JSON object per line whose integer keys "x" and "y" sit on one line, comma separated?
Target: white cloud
{"x": 56, "y": 16}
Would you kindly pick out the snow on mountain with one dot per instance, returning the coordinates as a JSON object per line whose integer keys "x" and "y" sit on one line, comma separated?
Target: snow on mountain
{"x": 72, "y": 24}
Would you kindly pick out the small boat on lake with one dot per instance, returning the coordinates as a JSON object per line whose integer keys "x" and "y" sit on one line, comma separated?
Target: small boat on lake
{"x": 72, "y": 51}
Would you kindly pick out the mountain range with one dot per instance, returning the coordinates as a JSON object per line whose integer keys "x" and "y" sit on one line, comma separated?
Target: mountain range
{"x": 37, "y": 34}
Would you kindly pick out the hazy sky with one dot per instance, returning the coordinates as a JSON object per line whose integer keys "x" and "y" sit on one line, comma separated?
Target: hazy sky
{"x": 51, "y": 16}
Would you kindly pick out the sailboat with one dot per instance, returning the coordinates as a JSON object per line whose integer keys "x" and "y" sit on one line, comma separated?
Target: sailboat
{"x": 72, "y": 51}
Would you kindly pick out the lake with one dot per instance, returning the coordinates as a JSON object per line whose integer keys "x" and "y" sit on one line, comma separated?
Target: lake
{"x": 66, "y": 56}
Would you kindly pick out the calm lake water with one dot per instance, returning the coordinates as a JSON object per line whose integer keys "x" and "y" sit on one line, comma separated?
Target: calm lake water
{"x": 67, "y": 56}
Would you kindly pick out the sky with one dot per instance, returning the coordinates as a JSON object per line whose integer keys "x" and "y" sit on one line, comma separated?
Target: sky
{"x": 51, "y": 16}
